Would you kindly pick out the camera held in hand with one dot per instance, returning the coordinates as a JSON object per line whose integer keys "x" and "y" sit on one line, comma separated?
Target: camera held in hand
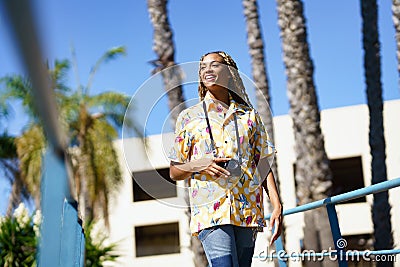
{"x": 232, "y": 165}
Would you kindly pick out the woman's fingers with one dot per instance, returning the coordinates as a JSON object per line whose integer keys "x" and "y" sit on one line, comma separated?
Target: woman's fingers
{"x": 221, "y": 170}
{"x": 276, "y": 223}
{"x": 216, "y": 170}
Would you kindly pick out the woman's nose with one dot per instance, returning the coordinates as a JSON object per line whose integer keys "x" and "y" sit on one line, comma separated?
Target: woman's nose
{"x": 208, "y": 68}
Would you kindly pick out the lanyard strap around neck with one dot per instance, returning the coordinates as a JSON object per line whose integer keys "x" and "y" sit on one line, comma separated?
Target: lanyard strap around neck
{"x": 211, "y": 136}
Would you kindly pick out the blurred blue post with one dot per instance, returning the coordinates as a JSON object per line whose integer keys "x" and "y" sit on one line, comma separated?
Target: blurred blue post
{"x": 53, "y": 186}
{"x": 62, "y": 242}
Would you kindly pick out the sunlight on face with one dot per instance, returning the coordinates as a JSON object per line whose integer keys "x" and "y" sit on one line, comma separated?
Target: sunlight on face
{"x": 214, "y": 73}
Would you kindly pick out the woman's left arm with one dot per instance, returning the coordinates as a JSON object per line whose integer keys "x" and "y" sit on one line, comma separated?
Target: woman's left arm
{"x": 276, "y": 216}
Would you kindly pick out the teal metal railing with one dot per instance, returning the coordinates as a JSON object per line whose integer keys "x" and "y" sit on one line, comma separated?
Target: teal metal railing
{"x": 62, "y": 241}
{"x": 330, "y": 203}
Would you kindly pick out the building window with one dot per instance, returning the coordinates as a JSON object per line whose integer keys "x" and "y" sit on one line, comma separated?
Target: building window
{"x": 157, "y": 239}
{"x": 154, "y": 184}
{"x": 347, "y": 176}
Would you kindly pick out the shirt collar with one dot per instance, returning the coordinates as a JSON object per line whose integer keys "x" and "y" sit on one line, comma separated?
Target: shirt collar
{"x": 233, "y": 105}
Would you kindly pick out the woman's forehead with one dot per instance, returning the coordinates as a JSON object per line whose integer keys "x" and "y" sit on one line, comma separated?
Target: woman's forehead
{"x": 213, "y": 57}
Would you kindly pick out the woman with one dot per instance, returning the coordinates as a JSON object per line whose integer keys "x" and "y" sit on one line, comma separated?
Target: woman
{"x": 221, "y": 144}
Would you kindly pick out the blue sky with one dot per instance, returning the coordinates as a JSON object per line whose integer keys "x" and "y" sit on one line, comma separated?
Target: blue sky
{"x": 92, "y": 27}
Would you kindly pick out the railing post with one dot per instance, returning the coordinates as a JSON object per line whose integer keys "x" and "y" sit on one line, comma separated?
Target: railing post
{"x": 54, "y": 177}
{"x": 279, "y": 247}
{"x": 340, "y": 244}
{"x": 62, "y": 242}
{"x": 71, "y": 235}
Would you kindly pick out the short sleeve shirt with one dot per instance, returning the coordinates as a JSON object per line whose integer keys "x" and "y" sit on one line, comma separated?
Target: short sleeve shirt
{"x": 232, "y": 200}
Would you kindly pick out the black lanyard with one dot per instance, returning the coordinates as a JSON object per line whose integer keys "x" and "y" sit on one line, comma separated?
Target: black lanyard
{"x": 211, "y": 136}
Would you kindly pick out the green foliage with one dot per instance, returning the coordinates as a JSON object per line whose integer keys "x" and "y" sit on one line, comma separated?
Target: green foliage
{"x": 96, "y": 251}
{"x": 8, "y": 150}
{"x": 18, "y": 239}
{"x": 19, "y": 236}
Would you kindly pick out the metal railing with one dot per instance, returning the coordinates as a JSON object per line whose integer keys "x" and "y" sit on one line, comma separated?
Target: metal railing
{"x": 330, "y": 203}
{"x": 62, "y": 242}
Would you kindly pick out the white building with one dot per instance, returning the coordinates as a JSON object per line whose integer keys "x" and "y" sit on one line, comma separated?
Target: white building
{"x": 156, "y": 233}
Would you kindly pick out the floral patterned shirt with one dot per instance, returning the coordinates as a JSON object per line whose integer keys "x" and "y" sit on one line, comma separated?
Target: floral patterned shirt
{"x": 232, "y": 200}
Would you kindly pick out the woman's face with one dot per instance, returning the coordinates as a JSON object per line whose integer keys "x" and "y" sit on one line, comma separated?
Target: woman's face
{"x": 214, "y": 73}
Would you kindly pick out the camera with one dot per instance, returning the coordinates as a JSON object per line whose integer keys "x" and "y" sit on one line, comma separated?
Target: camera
{"x": 232, "y": 165}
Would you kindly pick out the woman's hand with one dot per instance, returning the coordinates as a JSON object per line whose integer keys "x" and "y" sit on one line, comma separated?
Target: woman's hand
{"x": 215, "y": 170}
{"x": 276, "y": 223}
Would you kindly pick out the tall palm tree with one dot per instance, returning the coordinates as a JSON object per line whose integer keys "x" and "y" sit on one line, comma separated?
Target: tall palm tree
{"x": 91, "y": 122}
{"x": 396, "y": 22}
{"x": 313, "y": 174}
{"x": 259, "y": 68}
{"x": 372, "y": 67}
{"x": 163, "y": 46}
{"x": 259, "y": 72}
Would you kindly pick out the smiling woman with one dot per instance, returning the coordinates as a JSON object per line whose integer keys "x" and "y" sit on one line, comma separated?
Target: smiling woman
{"x": 221, "y": 144}
{"x": 215, "y": 76}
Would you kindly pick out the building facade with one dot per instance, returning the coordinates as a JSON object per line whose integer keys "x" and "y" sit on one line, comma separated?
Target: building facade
{"x": 149, "y": 216}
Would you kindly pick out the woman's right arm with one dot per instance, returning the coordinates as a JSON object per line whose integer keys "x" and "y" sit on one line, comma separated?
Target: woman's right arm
{"x": 176, "y": 173}
{"x": 181, "y": 171}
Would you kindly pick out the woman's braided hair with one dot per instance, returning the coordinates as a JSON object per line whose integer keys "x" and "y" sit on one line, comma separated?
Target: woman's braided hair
{"x": 236, "y": 87}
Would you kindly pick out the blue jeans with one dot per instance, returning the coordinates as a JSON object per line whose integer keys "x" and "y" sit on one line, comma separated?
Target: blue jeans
{"x": 228, "y": 245}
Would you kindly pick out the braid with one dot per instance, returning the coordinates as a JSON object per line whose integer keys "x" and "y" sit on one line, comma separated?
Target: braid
{"x": 236, "y": 87}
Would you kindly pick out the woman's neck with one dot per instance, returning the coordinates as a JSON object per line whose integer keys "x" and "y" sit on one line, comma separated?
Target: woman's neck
{"x": 220, "y": 95}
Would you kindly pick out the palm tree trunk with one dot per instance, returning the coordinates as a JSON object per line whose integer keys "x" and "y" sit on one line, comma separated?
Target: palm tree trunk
{"x": 163, "y": 46}
{"x": 16, "y": 188}
{"x": 372, "y": 65}
{"x": 396, "y": 22}
{"x": 313, "y": 174}
{"x": 259, "y": 71}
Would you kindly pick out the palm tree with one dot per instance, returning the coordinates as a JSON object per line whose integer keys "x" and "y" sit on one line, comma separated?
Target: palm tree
{"x": 372, "y": 65}
{"x": 91, "y": 122}
{"x": 163, "y": 46}
{"x": 396, "y": 22}
{"x": 10, "y": 171}
{"x": 313, "y": 174}
{"x": 259, "y": 71}
{"x": 27, "y": 148}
